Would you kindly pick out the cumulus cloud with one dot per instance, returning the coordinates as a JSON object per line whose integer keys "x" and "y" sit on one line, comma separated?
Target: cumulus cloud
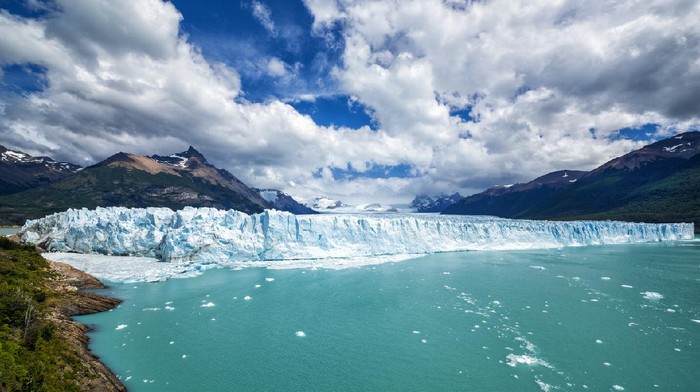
{"x": 547, "y": 84}
{"x": 146, "y": 89}
{"x": 468, "y": 93}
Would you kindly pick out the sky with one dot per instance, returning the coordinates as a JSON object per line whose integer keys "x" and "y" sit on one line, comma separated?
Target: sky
{"x": 362, "y": 101}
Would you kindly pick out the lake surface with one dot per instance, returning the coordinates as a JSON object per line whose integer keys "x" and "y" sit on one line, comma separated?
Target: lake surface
{"x": 9, "y": 230}
{"x": 620, "y": 317}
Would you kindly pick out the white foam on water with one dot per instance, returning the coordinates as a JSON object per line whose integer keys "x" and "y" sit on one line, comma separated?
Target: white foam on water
{"x": 207, "y": 305}
{"x": 247, "y": 298}
{"x": 539, "y": 267}
{"x": 150, "y": 309}
{"x": 626, "y": 286}
{"x": 300, "y": 334}
{"x": 121, "y": 326}
{"x": 652, "y": 295}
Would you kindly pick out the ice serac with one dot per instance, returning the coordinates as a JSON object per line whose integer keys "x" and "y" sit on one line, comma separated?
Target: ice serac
{"x": 217, "y": 236}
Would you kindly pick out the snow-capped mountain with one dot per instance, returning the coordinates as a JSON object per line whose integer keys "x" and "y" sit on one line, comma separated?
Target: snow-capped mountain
{"x": 324, "y": 203}
{"x": 375, "y": 207}
{"x": 659, "y": 182}
{"x": 424, "y": 203}
{"x": 20, "y": 171}
{"x": 130, "y": 180}
{"x": 284, "y": 202}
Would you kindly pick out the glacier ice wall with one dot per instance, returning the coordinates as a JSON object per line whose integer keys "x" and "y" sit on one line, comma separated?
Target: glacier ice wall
{"x": 216, "y": 236}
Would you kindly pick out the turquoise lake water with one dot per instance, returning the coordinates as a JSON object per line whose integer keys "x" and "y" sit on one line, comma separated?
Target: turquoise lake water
{"x": 598, "y": 318}
{"x": 8, "y": 230}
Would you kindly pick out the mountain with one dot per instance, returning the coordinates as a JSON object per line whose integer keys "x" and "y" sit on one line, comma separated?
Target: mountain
{"x": 20, "y": 171}
{"x": 324, "y": 203}
{"x": 283, "y": 202}
{"x": 129, "y": 180}
{"x": 425, "y": 203}
{"x": 375, "y": 207}
{"x": 512, "y": 200}
{"x": 659, "y": 182}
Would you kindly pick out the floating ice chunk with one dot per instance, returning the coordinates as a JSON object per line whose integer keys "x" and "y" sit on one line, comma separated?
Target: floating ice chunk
{"x": 257, "y": 286}
{"x": 599, "y": 341}
{"x": 606, "y": 363}
{"x": 539, "y": 267}
{"x": 150, "y": 309}
{"x": 604, "y": 278}
{"x": 416, "y": 332}
{"x": 247, "y": 298}
{"x": 618, "y": 388}
{"x": 669, "y": 310}
{"x": 169, "y": 308}
{"x": 576, "y": 278}
{"x": 525, "y": 359}
{"x": 121, "y": 326}
{"x": 626, "y": 286}
{"x": 184, "y": 356}
{"x": 207, "y": 305}
{"x": 269, "y": 279}
{"x": 423, "y": 341}
{"x": 445, "y": 273}
{"x": 677, "y": 349}
{"x": 172, "y": 342}
{"x": 695, "y": 321}
{"x": 300, "y": 334}
{"x": 543, "y": 385}
{"x": 652, "y": 295}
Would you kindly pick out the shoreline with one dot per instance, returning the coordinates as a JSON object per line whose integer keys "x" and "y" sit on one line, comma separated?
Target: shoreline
{"x": 71, "y": 283}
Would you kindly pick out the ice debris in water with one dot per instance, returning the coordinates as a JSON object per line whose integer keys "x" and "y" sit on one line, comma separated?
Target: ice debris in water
{"x": 121, "y": 326}
{"x": 269, "y": 279}
{"x": 618, "y": 388}
{"x": 652, "y": 295}
{"x": 207, "y": 305}
{"x": 604, "y": 278}
{"x": 247, "y": 298}
{"x": 300, "y": 334}
{"x": 627, "y": 286}
{"x": 193, "y": 237}
{"x": 525, "y": 359}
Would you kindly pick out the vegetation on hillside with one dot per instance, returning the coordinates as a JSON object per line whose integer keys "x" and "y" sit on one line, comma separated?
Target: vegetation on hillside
{"x": 33, "y": 354}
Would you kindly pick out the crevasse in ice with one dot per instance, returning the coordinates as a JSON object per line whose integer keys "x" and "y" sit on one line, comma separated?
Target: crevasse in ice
{"x": 217, "y": 236}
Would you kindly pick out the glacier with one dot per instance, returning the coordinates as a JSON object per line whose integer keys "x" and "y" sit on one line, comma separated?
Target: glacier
{"x": 206, "y": 236}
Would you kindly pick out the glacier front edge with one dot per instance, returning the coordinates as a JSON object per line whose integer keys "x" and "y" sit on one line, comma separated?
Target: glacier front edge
{"x": 211, "y": 236}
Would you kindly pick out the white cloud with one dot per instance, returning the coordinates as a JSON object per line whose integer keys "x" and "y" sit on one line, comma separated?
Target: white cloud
{"x": 548, "y": 82}
{"x": 262, "y": 13}
{"x": 538, "y": 77}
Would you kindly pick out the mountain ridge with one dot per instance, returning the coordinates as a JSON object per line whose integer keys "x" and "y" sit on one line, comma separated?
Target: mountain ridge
{"x": 659, "y": 182}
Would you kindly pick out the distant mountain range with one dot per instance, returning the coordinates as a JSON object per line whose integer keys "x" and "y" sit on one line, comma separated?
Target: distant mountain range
{"x": 424, "y": 203}
{"x": 657, "y": 183}
{"x": 283, "y": 202}
{"x": 20, "y": 171}
{"x": 130, "y": 180}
